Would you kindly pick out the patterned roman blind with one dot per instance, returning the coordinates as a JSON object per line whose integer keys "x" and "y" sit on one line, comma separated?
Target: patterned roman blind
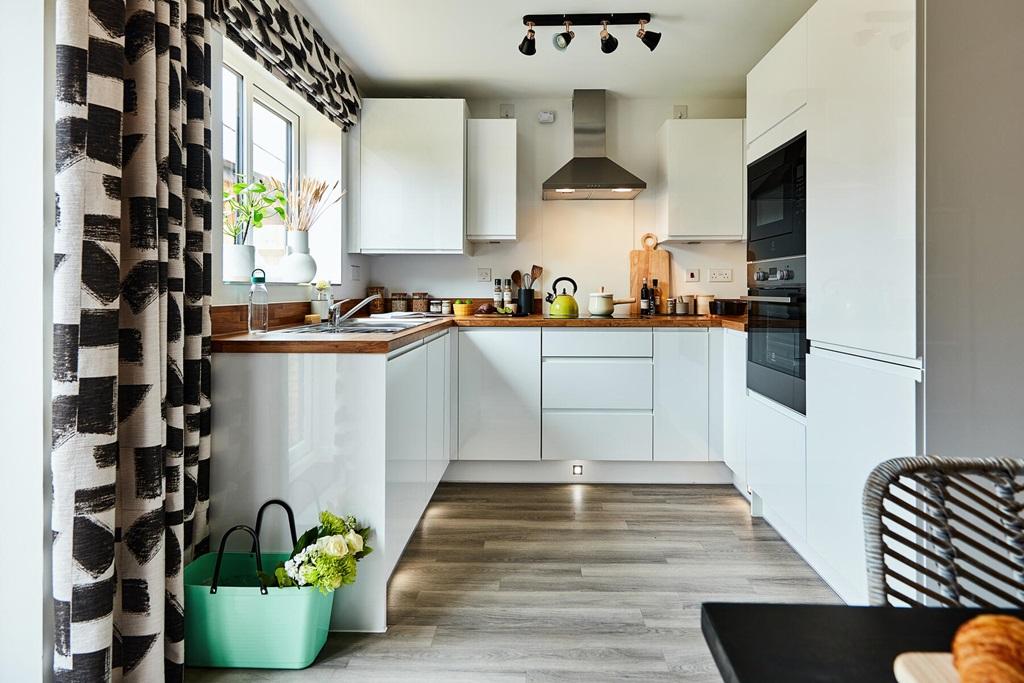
{"x": 277, "y": 36}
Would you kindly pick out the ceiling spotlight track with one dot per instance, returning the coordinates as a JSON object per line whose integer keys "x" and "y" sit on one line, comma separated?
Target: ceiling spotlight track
{"x": 609, "y": 42}
{"x": 621, "y": 19}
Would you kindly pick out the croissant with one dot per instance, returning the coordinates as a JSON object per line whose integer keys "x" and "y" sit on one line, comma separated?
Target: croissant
{"x": 990, "y": 649}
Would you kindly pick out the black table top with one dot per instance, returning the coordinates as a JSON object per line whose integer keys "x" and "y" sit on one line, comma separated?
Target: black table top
{"x": 759, "y": 643}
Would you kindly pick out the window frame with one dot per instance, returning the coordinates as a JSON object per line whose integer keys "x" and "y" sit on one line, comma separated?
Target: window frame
{"x": 254, "y": 93}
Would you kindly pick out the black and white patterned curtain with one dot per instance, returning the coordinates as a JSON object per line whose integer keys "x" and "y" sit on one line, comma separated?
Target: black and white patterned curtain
{"x": 131, "y": 365}
{"x": 277, "y": 36}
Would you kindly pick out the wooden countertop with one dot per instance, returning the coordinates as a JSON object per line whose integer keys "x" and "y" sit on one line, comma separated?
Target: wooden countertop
{"x": 368, "y": 342}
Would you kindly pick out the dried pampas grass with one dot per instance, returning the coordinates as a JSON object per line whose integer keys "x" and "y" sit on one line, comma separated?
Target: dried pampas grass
{"x": 308, "y": 202}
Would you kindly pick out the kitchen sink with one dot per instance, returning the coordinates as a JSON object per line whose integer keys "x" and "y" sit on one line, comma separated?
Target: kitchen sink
{"x": 362, "y": 325}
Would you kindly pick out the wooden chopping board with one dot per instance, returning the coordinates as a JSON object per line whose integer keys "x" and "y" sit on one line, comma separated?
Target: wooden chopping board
{"x": 925, "y": 667}
{"x": 650, "y": 262}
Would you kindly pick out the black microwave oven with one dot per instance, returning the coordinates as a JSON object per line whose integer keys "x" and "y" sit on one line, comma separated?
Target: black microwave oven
{"x": 777, "y": 202}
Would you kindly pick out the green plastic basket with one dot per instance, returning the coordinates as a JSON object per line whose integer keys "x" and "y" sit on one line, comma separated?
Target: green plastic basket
{"x": 236, "y": 622}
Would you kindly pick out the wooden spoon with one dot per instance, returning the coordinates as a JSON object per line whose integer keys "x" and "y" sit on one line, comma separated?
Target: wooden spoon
{"x": 517, "y": 279}
{"x": 536, "y": 272}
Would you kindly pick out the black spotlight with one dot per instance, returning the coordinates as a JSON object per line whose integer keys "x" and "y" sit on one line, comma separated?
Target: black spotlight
{"x": 648, "y": 38}
{"x": 608, "y": 41}
{"x": 562, "y": 40}
{"x": 529, "y": 45}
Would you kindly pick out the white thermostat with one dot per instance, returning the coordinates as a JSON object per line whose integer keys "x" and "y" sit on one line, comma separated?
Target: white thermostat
{"x": 546, "y": 117}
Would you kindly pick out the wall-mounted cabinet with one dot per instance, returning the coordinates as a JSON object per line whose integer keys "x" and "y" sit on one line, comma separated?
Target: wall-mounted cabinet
{"x": 777, "y": 85}
{"x": 700, "y": 183}
{"x": 491, "y": 180}
{"x": 412, "y": 184}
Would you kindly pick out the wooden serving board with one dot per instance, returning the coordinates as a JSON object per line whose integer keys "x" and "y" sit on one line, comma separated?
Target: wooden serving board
{"x": 925, "y": 667}
{"x": 650, "y": 262}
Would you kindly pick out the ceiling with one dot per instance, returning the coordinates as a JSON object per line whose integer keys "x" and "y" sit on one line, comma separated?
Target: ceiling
{"x": 467, "y": 48}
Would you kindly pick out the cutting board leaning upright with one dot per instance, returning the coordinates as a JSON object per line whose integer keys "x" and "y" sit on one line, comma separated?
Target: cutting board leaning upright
{"x": 651, "y": 263}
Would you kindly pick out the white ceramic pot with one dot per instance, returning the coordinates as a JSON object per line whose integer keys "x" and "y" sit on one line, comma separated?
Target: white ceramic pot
{"x": 297, "y": 265}
{"x": 239, "y": 261}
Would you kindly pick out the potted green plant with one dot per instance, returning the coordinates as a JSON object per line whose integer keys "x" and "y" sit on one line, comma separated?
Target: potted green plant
{"x": 246, "y": 206}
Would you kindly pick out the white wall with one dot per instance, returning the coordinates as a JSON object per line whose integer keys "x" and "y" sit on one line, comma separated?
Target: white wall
{"x": 974, "y": 163}
{"x": 321, "y": 144}
{"x": 588, "y": 240}
{"x": 26, "y": 138}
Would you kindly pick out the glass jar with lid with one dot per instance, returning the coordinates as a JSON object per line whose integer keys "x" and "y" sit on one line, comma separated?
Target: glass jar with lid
{"x": 421, "y": 302}
{"x": 399, "y": 302}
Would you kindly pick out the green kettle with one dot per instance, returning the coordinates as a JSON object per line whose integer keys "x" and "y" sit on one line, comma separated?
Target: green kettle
{"x": 562, "y": 305}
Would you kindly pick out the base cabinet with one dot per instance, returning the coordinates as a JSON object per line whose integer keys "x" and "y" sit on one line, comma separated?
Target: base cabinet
{"x": 681, "y": 394}
{"x": 734, "y": 398}
{"x": 405, "y": 449}
{"x": 860, "y": 413}
{"x": 777, "y": 463}
{"x": 499, "y": 394}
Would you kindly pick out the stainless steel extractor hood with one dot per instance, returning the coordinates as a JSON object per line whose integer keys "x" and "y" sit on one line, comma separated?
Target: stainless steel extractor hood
{"x": 590, "y": 174}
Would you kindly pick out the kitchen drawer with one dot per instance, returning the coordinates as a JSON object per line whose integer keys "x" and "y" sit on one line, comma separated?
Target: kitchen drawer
{"x": 634, "y": 342}
{"x": 597, "y": 435}
{"x": 598, "y": 383}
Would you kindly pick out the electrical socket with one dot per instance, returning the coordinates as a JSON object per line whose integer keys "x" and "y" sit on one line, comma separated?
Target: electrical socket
{"x": 693, "y": 275}
{"x": 353, "y": 272}
{"x": 483, "y": 274}
{"x": 720, "y": 275}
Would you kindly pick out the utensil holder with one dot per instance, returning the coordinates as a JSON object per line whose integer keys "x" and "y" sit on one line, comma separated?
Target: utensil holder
{"x": 525, "y": 302}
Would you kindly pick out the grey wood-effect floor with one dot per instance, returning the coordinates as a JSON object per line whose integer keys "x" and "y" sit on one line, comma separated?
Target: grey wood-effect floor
{"x": 566, "y": 582}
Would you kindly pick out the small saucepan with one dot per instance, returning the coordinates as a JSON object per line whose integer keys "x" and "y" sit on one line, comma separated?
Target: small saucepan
{"x": 602, "y": 304}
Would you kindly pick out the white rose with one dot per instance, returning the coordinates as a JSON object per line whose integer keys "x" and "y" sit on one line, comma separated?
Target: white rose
{"x": 332, "y": 545}
{"x": 354, "y": 540}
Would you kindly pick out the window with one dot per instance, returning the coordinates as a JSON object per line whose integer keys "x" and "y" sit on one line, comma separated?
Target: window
{"x": 269, "y": 131}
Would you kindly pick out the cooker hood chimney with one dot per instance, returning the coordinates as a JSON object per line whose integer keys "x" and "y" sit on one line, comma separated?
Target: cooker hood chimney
{"x": 590, "y": 174}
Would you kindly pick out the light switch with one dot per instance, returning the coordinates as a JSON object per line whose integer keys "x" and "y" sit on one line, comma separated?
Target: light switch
{"x": 693, "y": 274}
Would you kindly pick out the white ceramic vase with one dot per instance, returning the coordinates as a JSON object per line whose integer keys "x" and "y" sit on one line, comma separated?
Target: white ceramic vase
{"x": 239, "y": 260}
{"x": 297, "y": 265}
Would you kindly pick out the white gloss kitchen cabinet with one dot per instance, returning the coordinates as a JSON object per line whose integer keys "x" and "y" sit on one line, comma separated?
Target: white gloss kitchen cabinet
{"x": 734, "y": 399}
{"x": 491, "y": 180}
{"x": 777, "y": 85}
{"x": 412, "y": 177}
{"x": 499, "y": 393}
{"x": 861, "y": 179}
{"x": 777, "y": 464}
{"x": 354, "y": 433}
{"x": 597, "y": 394}
{"x": 700, "y": 181}
{"x": 681, "y": 407}
{"x": 860, "y": 413}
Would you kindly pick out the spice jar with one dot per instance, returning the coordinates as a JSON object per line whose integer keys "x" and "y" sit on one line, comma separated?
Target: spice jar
{"x": 435, "y": 306}
{"x": 420, "y": 302}
{"x": 446, "y": 307}
{"x": 399, "y": 302}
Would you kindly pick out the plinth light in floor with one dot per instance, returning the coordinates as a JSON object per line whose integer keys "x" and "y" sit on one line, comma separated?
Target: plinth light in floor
{"x": 577, "y": 470}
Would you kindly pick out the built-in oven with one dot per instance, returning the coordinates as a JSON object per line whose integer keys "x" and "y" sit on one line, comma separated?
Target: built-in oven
{"x": 777, "y": 330}
{"x": 776, "y": 202}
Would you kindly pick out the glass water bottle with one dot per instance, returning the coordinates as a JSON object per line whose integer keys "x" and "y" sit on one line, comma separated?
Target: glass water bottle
{"x": 259, "y": 303}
